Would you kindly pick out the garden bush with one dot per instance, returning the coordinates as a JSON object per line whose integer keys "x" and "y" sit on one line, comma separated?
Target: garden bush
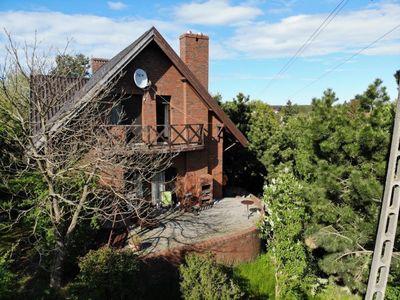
{"x": 204, "y": 279}
{"x": 8, "y": 280}
{"x": 107, "y": 274}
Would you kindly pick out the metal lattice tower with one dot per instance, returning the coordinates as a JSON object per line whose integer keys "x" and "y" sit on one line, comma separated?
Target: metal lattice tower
{"x": 389, "y": 215}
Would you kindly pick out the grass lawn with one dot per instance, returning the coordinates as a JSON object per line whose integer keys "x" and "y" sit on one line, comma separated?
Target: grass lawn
{"x": 257, "y": 278}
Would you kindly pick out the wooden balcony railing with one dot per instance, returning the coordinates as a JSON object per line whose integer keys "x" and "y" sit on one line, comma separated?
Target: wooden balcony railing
{"x": 183, "y": 137}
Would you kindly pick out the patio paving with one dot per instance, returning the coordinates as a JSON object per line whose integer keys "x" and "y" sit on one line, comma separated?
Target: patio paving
{"x": 180, "y": 228}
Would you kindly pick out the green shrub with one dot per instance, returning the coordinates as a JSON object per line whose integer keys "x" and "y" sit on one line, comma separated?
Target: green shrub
{"x": 8, "y": 280}
{"x": 334, "y": 292}
{"x": 203, "y": 279}
{"x": 392, "y": 292}
{"x": 285, "y": 220}
{"x": 107, "y": 274}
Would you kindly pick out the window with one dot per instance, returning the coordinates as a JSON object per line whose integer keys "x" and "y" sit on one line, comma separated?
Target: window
{"x": 157, "y": 186}
{"x": 128, "y": 110}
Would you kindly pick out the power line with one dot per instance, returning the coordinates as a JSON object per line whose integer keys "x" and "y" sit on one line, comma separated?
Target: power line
{"x": 308, "y": 42}
{"x": 345, "y": 61}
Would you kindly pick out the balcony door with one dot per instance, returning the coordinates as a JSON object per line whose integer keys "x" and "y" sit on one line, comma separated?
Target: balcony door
{"x": 163, "y": 118}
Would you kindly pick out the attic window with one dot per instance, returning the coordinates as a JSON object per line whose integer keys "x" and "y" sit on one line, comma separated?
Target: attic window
{"x": 127, "y": 111}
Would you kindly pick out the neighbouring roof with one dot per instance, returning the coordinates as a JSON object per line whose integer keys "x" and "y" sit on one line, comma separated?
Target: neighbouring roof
{"x": 111, "y": 68}
{"x": 62, "y": 88}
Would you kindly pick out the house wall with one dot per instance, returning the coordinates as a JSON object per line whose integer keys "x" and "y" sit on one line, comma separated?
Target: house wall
{"x": 186, "y": 108}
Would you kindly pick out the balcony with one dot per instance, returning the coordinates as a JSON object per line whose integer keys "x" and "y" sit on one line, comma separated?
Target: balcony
{"x": 178, "y": 137}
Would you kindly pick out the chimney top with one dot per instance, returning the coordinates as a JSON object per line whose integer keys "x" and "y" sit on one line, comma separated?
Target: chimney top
{"x": 190, "y": 34}
{"x": 96, "y": 63}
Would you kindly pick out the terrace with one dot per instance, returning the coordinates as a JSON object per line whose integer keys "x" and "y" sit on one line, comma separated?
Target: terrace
{"x": 227, "y": 228}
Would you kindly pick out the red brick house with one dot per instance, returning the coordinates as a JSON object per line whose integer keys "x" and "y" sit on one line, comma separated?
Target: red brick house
{"x": 176, "y": 113}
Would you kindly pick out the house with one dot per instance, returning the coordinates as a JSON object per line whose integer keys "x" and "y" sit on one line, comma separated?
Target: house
{"x": 173, "y": 113}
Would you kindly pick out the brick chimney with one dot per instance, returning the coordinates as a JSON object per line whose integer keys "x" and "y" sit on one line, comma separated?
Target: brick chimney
{"x": 96, "y": 63}
{"x": 194, "y": 52}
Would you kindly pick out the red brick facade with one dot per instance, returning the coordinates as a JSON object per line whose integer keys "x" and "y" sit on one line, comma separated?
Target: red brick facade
{"x": 186, "y": 106}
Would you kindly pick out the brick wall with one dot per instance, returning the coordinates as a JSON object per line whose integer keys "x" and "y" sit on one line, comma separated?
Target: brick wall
{"x": 96, "y": 63}
{"x": 194, "y": 52}
{"x": 186, "y": 108}
{"x": 241, "y": 246}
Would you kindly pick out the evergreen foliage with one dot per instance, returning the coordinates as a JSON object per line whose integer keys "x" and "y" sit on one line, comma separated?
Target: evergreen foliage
{"x": 8, "y": 279}
{"x": 249, "y": 175}
{"x": 338, "y": 153}
{"x": 72, "y": 65}
{"x": 239, "y": 111}
{"x": 262, "y": 124}
{"x": 107, "y": 274}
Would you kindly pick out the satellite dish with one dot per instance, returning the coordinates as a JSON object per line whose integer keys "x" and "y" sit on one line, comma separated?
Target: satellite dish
{"x": 140, "y": 78}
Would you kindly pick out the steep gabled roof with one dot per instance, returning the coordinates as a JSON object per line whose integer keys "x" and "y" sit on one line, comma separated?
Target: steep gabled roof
{"x": 110, "y": 69}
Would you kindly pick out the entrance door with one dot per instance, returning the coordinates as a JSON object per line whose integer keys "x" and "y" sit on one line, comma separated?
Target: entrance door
{"x": 163, "y": 118}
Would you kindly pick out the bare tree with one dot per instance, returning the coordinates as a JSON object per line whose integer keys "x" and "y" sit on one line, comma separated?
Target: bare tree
{"x": 89, "y": 167}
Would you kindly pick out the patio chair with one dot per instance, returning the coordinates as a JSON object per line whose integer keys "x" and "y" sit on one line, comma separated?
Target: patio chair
{"x": 166, "y": 199}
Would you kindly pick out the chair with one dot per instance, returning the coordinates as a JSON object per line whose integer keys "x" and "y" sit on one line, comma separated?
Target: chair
{"x": 166, "y": 198}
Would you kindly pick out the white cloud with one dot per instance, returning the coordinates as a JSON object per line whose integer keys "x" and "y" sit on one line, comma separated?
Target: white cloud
{"x": 347, "y": 33}
{"x": 100, "y": 37}
{"x": 247, "y": 77}
{"x": 91, "y": 35}
{"x": 281, "y": 6}
{"x": 388, "y": 49}
{"x": 116, "y": 5}
{"x": 219, "y": 51}
{"x": 104, "y": 36}
{"x": 216, "y": 12}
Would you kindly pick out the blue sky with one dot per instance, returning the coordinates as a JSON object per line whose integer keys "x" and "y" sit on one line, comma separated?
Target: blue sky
{"x": 250, "y": 40}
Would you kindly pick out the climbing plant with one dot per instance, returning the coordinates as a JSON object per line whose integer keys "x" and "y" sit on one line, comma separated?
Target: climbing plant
{"x": 285, "y": 226}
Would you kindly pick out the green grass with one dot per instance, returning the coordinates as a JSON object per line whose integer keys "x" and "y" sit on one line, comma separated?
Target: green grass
{"x": 257, "y": 278}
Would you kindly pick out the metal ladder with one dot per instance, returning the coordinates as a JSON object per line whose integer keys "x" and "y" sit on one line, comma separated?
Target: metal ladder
{"x": 389, "y": 216}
